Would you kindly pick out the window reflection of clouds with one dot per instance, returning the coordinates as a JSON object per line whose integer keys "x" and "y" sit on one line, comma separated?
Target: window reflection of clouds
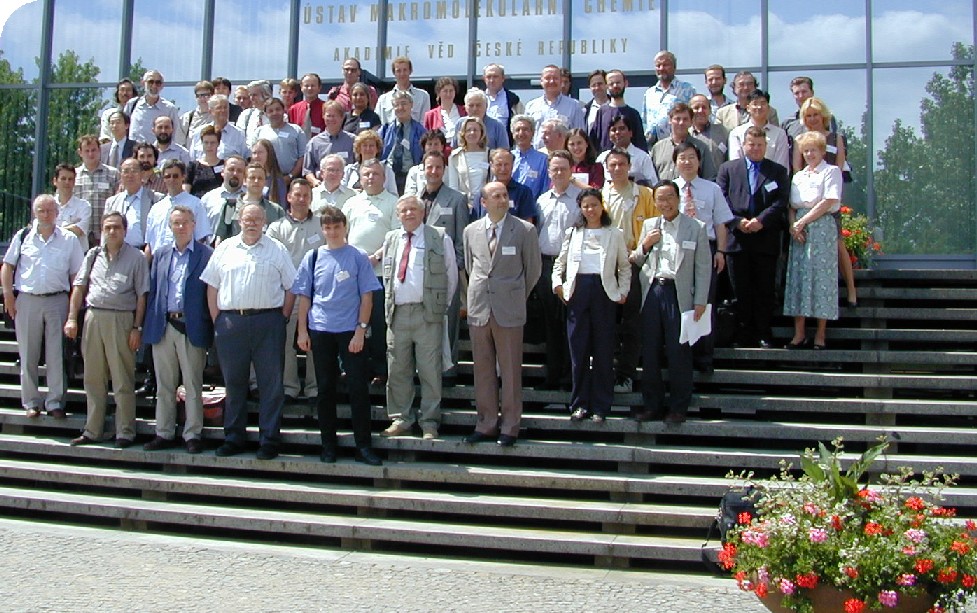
{"x": 92, "y": 31}
{"x": 20, "y": 40}
{"x": 639, "y": 30}
{"x": 703, "y": 32}
{"x": 842, "y": 90}
{"x": 438, "y": 47}
{"x": 169, "y": 37}
{"x": 898, "y": 93}
{"x": 902, "y": 32}
{"x": 807, "y": 33}
{"x": 324, "y": 43}
{"x": 535, "y": 42}
{"x": 251, "y": 44}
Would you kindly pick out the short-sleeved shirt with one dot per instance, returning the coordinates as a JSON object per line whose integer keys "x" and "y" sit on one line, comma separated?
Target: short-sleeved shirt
{"x": 232, "y": 142}
{"x": 659, "y": 101}
{"x": 557, "y": 212}
{"x": 172, "y": 152}
{"x": 529, "y": 169}
{"x": 421, "y": 104}
{"x": 143, "y": 115}
{"x": 369, "y": 219}
{"x": 711, "y": 207}
{"x": 76, "y": 212}
{"x": 158, "y": 232}
{"x": 811, "y": 186}
{"x": 288, "y": 141}
{"x": 47, "y": 266}
{"x": 96, "y": 186}
{"x": 564, "y": 108}
{"x": 335, "y": 287}
{"x": 322, "y": 197}
{"x": 249, "y": 276}
{"x": 324, "y": 144}
{"x": 298, "y": 235}
{"x": 114, "y": 284}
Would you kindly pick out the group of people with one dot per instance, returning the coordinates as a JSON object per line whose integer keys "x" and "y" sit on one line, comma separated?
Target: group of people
{"x": 361, "y": 229}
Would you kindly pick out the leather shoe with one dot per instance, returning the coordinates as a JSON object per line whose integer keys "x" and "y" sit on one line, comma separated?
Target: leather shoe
{"x": 706, "y": 369}
{"x": 195, "y": 446}
{"x": 227, "y": 450}
{"x": 765, "y": 343}
{"x": 366, "y": 456}
{"x": 124, "y": 443}
{"x": 328, "y": 455}
{"x": 430, "y": 434}
{"x": 477, "y": 437}
{"x": 675, "y": 418}
{"x": 159, "y": 443}
{"x": 57, "y": 413}
{"x": 396, "y": 429}
{"x": 379, "y": 381}
{"x": 290, "y": 399}
{"x": 33, "y": 412}
{"x": 647, "y": 415}
{"x": 81, "y": 440}
{"x": 267, "y": 452}
{"x": 580, "y": 414}
{"x": 506, "y": 441}
{"x": 148, "y": 389}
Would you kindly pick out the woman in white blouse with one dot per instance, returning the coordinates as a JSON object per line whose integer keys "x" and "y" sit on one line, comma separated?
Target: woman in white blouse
{"x": 592, "y": 275}
{"x": 468, "y": 165}
{"x": 445, "y": 116}
{"x": 812, "y": 270}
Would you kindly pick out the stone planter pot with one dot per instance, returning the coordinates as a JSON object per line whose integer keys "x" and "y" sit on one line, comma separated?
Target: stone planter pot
{"x": 828, "y": 599}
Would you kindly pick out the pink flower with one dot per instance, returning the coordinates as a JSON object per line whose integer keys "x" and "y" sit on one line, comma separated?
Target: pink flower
{"x": 817, "y": 535}
{"x": 811, "y": 509}
{"x": 753, "y": 537}
{"x": 915, "y": 535}
{"x": 888, "y": 598}
{"x": 909, "y": 550}
{"x": 786, "y": 587}
{"x": 906, "y": 580}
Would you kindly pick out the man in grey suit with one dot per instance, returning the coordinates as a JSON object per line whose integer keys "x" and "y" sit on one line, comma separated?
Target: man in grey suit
{"x": 133, "y": 202}
{"x": 503, "y": 263}
{"x": 675, "y": 267}
{"x": 447, "y": 209}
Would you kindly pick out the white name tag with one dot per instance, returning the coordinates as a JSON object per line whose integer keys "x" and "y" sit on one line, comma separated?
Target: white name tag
{"x": 831, "y": 149}
{"x": 575, "y": 257}
{"x": 101, "y": 185}
{"x": 512, "y": 204}
{"x": 341, "y": 276}
{"x": 688, "y": 244}
{"x": 312, "y": 240}
{"x": 722, "y": 147}
{"x": 582, "y": 177}
{"x": 509, "y": 250}
{"x": 373, "y": 217}
{"x": 770, "y": 186}
{"x": 405, "y": 144}
{"x": 364, "y": 125}
{"x": 532, "y": 174}
{"x": 119, "y": 277}
{"x": 315, "y": 129}
{"x": 446, "y": 211}
{"x": 219, "y": 169}
{"x": 284, "y": 134}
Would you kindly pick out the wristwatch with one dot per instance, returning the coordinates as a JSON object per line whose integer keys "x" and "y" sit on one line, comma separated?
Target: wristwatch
{"x": 363, "y": 325}
{"x": 139, "y": 328}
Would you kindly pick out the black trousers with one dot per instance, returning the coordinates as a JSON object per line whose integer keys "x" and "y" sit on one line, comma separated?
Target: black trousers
{"x": 554, "y": 325}
{"x": 327, "y": 349}
{"x": 754, "y": 277}
{"x": 661, "y": 321}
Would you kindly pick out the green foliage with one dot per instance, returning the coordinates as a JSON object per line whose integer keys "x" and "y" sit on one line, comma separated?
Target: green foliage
{"x": 16, "y": 147}
{"x": 71, "y": 112}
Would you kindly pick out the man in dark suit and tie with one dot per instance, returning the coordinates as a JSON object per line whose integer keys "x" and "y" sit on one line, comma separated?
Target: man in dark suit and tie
{"x": 503, "y": 263}
{"x": 179, "y": 328}
{"x": 757, "y": 191}
{"x": 115, "y": 151}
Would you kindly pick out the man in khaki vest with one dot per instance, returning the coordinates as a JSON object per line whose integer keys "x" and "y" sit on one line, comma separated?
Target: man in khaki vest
{"x": 420, "y": 275}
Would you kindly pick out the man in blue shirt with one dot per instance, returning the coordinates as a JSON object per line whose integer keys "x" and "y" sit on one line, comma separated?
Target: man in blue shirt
{"x": 335, "y": 286}
{"x": 529, "y": 165}
{"x": 554, "y": 105}
{"x": 521, "y": 201}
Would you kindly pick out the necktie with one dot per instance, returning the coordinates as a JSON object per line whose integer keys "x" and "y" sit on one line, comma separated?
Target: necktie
{"x": 398, "y": 153}
{"x": 402, "y": 268}
{"x": 307, "y": 121}
{"x": 689, "y": 200}
{"x": 493, "y": 240}
{"x": 114, "y": 154}
{"x": 754, "y": 176}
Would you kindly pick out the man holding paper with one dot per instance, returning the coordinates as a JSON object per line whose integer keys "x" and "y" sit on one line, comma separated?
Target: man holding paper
{"x": 674, "y": 268}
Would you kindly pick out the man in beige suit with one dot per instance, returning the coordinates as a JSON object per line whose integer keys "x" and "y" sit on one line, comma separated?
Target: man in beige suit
{"x": 503, "y": 263}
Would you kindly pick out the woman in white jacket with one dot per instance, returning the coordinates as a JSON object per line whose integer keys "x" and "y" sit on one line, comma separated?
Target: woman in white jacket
{"x": 590, "y": 275}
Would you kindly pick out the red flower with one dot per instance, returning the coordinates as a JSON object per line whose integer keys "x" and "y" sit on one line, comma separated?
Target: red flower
{"x": 854, "y": 605}
{"x": 924, "y": 566}
{"x": 944, "y": 512}
{"x": 807, "y": 580}
{"x": 744, "y": 518}
{"x": 845, "y": 210}
{"x": 836, "y": 523}
{"x": 846, "y": 232}
{"x": 960, "y": 547}
{"x": 915, "y": 503}
{"x": 873, "y": 529}
{"x": 727, "y": 557}
{"x": 761, "y": 590}
{"x": 851, "y": 571}
{"x": 968, "y": 581}
{"x": 947, "y": 575}
{"x": 971, "y": 525}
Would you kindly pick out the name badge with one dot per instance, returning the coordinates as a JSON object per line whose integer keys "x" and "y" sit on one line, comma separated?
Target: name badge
{"x": 532, "y": 174}
{"x": 447, "y": 211}
{"x": 688, "y": 244}
{"x": 364, "y": 125}
{"x": 341, "y": 276}
{"x": 218, "y": 169}
{"x": 373, "y": 216}
{"x": 388, "y": 261}
{"x": 575, "y": 257}
{"x": 512, "y": 204}
{"x": 509, "y": 250}
{"x": 342, "y": 154}
{"x": 831, "y": 149}
{"x": 312, "y": 240}
{"x": 101, "y": 185}
{"x": 405, "y": 144}
{"x": 315, "y": 129}
{"x": 284, "y": 134}
{"x": 119, "y": 277}
{"x": 770, "y": 186}
{"x": 582, "y": 177}
{"x": 722, "y": 147}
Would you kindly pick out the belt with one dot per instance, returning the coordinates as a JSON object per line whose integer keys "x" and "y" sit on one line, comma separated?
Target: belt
{"x": 174, "y": 315}
{"x": 249, "y": 312}
{"x": 47, "y": 295}
{"x": 664, "y": 281}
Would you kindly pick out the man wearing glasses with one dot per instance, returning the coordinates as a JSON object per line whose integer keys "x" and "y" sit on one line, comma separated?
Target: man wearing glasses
{"x": 351, "y": 74}
{"x": 144, "y": 110}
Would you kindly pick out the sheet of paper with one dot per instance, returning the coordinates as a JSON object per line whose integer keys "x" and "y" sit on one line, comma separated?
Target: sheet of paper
{"x": 693, "y": 330}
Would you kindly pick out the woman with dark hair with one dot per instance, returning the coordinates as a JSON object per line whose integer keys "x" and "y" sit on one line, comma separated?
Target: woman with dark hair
{"x": 362, "y": 117}
{"x": 431, "y": 141}
{"x": 586, "y": 171}
{"x": 276, "y": 187}
{"x": 590, "y": 275}
{"x": 206, "y": 172}
{"x": 124, "y": 91}
{"x": 445, "y": 116}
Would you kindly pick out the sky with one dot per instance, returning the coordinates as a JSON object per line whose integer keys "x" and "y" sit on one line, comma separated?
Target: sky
{"x": 830, "y": 31}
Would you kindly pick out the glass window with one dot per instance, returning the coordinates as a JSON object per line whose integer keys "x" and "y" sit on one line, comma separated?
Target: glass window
{"x": 609, "y": 34}
{"x": 523, "y": 37}
{"x": 17, "y": 110}
{"x": 74, "y": 25}
{"x": 20, "y": 40}
{"x": 704, "y": 32}
{"x": 435, "y": 40}
{"x": 251, "y": 44}
{"x": 924, "y": 146}
{"x": 330, "y": 33}
{"x": 72, "y": 113}
{"x": 169, "y": 38}
{"x": 904, "y": 30}
{"x": 825, "y": 32}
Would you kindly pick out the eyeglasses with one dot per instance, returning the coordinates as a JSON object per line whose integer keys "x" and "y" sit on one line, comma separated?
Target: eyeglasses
{"x": 154, "y": 81}
{"x": 171, "y": 176}
{"x": 203, "y": 94}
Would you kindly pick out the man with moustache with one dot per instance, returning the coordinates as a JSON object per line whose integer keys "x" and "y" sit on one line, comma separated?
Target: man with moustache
{"x": 660, "y": 98}
{"x": 222, "y": 199}
{"x": 287, "y": 139}
{"x": 352, "y": 70}
{"x": 709, "y": 132}
{"x": 331, "y": 140}
{"x": 232, "y": 137}
{"x": 133, "y": 202}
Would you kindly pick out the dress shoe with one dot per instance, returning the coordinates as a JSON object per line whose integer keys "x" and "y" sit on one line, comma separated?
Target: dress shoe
{"x": 765, "y": 343}
{"x": 33, "y": 412}
{"x": 148, "y": 389}
{"x": 580, "y": 414}
{"x": 81, "y": 440}
{"x": 124, "y": 443}
{"x": 804, "y": 344}
{"x": 228, "y": 449}
{"x": 57, "y": 413}
{"x": 159, "y": 443}
{"x": 396, "y": 429}
{"x": 478, "y": 437}
{"x": 254, "y": 395}
{"x": 598, "y": 418}
{"x": 366, "y": 456}
{"x": 506, "y": 441}
{"x": 648, "y": 415}
{"x": 379, "y": 381}
{"x": 267, "y": 452}
{"x": 195, "y": 446}
{"x": 675, "y": 418}
{"x": 430, "y": 434}
{"x": 328, "y": 455}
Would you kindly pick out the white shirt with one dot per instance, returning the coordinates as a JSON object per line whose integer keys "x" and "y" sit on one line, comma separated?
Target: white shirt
{"x": 213, "y": 201}
{"x": 75, "y": 212}
{"x": 591, "y": 251}
{"x": 45, "y": 267}
{"x": 250, "y": 276}
{"x": 711, "y": 207}
{"x": 642, "y": 168}
{"x": 810, "y": 187}
{"x": 422, "y": 104}
{"x": 668, "y": 249}
{"x": 232, "y": 141}
{"x": 556, "y": 214}
{"x": 411, "y": 291}
{"x": 777, "y": 144}
{"x": 369, "y": 218}
{"x": 158, "y": 231}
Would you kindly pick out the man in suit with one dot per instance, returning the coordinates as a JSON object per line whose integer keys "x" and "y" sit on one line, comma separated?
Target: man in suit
{"x": 133, "y": 202}
{"x": 757, "y": 190}
{"x": 179, "y": 328}
{"x": 675, "y": 266}
{"x": 119, "y": 148}
{"x": 447, "y": 209}
{"x": 503, "y": 264}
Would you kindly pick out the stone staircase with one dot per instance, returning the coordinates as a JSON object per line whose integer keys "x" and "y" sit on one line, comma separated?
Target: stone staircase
{"x": 622, "y": 494}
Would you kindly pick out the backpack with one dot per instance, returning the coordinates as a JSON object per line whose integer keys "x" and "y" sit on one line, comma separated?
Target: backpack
{"x": 735, "y": 501}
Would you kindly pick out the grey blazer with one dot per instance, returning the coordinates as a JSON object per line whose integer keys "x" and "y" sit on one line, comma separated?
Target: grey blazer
{"x": 450, "y": 211}
{"x": 694, "y": 262}
{"x": 499, "y": 286}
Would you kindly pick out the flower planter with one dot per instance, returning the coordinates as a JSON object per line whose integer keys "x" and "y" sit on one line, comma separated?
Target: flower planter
{"x": 828, "y": 599}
